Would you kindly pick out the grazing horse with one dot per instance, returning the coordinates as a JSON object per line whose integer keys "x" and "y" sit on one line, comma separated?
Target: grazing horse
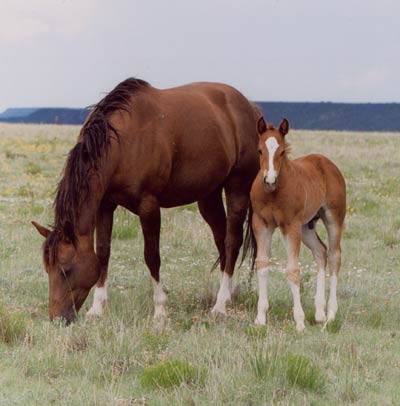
{"x": 293, "y": 195}
{"x": 143, "y": 148}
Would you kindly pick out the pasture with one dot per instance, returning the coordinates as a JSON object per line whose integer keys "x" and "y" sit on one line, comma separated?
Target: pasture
{"x": 121, "y": 360}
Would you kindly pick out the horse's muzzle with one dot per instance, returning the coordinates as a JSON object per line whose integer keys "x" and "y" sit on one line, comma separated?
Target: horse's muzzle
{"x": 269, "y": 186}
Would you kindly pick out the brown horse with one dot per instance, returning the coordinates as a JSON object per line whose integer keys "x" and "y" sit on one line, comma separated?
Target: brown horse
{"x": 144, "y": 148}
{"x": 293, "y": 195}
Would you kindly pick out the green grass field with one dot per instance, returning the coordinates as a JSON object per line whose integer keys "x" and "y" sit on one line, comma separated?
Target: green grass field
{"x": 121, "y": 360}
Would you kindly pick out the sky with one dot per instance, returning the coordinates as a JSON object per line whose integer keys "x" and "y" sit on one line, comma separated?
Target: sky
{"x": 69, "y": 53}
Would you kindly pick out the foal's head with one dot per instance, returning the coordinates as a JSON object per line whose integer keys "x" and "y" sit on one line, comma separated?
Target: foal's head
{"x": 71, "y": 273}
{"x": 272, "y": 150}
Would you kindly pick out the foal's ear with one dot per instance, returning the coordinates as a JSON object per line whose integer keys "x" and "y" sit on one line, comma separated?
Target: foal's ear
{"x": 42, "y": 230}
{"x": 261, "y": 125}
{"x": 284, "y": 127}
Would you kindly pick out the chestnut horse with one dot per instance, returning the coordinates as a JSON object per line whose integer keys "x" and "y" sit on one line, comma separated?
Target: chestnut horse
{"x": 144, "y": 148}
{"x": 293, "y": 195}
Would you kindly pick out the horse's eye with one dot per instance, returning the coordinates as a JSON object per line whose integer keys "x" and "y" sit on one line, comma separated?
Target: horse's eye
{"x": 259, "y": 152}
{"x": 65, "y": 270}
{"x": 283, "y": 152}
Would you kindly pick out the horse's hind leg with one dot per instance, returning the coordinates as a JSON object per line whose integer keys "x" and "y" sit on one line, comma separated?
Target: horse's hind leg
{"x": 212, "y": 210}
{"x": 333, "y": 221}
{"x": 237, "y": 202}
{"x": 104, "y": 223}
{"x": 313, "y": 242}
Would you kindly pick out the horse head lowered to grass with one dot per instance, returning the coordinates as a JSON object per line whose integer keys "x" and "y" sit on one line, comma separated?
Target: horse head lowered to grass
{"x": 144, "y": 148}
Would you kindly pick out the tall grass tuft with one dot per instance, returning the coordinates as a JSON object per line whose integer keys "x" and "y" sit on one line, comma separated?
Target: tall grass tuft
{"x": 265, "y": 362}
{"x": 12, "y": 326}
{"x": 170, "y": 373}
{"x": 300, "y": 371}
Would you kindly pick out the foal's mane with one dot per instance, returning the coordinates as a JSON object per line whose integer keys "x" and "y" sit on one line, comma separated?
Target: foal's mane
{"x": 73, "y": 188}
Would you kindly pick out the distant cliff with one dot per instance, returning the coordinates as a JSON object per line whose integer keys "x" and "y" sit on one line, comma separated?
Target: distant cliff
{"x": 335, "y": 116}
{"x": 45, "y": 115}
{"x": 311, "y": 116}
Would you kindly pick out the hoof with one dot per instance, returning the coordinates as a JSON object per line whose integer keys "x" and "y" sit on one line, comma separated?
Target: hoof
{"x": 300, "y": 326}
{"x": 218, "y": 311}
{"x": 160, "y": 323}
{"x": 331, "y": 316}
{"x": 320, "y": 317}
{"x": 259, "y": 321}
{"x": 94, "y": 312}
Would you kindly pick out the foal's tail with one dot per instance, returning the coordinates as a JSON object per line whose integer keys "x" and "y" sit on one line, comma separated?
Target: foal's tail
{"x": 249, "y": 243}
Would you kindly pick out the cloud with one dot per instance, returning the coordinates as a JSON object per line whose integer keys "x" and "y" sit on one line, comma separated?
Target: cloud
{"x": 26, "y": 21}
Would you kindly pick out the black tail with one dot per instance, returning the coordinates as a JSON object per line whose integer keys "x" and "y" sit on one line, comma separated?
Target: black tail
{"x": 249, "y": 243}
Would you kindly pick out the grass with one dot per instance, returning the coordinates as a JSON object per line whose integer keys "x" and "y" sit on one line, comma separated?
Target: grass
{"x": 353, "y": 360}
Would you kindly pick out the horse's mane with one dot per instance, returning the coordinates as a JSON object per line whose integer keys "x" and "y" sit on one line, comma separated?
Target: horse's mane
{"x": 94, "y": 138}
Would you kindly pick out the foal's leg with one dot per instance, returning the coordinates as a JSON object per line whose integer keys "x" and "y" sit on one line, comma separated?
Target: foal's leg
{"x": 333, "y": 220}
{"x": 212, "y": 210}
{"x": 292, "y": 237}
{"x": 237, "y": 205}
{"x": 318, "y": 248}
{"x": 263, "y": 236}
{"x": 104, "y": 223}
{"x": 150, "y": 220}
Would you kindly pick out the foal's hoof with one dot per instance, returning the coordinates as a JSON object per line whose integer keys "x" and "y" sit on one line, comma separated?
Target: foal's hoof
{"x": 94, "y": 312}
{"x": 260, "y": 321}
{"x": 300, "y": 326}
{"x": 160, "y": 323}
{"x": 331, "y": 316}
{"x": 219, "y": 311}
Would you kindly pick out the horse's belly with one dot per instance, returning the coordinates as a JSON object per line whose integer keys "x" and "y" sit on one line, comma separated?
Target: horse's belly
{"x": 189, "y": 188}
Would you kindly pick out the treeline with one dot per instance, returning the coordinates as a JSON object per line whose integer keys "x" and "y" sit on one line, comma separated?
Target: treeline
{"x": 310, "y": 116}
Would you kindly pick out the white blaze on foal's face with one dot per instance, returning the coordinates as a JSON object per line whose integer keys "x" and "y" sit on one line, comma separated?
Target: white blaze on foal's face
{"x": 271, "y": 174}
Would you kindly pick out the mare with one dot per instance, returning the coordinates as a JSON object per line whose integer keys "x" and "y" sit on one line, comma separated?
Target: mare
{"x": 144, "y": 149}
{"x": 293, "y": 195}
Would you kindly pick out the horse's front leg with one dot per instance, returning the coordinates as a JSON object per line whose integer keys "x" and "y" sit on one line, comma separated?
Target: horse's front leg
{"x": 263, "y": 236}
{"x": 292, "y": 237}
{"x": 104, "y": 223}
{"x": 150, "y": 219}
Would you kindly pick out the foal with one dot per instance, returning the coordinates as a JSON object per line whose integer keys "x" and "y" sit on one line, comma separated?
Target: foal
{"x": 293, "y": 195}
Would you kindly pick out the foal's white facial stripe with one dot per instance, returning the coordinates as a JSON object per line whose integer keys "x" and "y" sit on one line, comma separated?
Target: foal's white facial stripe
{"x": 272, "y": 145}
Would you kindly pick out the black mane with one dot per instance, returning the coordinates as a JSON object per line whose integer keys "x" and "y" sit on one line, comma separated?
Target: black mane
{"x": 73, "y": 188}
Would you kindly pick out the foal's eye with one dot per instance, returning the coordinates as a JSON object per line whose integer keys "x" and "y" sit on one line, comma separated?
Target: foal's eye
{"x": 283, "y": 152}
{"x": 259, "y": 152}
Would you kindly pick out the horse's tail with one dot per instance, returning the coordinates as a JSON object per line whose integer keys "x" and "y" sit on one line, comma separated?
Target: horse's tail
{"x": 249, "y": 243}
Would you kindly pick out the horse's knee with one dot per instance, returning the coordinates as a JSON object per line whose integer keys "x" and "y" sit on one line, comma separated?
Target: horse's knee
{"x": 293, "y": 275}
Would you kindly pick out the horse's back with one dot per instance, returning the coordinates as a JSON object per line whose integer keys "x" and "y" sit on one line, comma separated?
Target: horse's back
{"x": 188, "y": 140}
